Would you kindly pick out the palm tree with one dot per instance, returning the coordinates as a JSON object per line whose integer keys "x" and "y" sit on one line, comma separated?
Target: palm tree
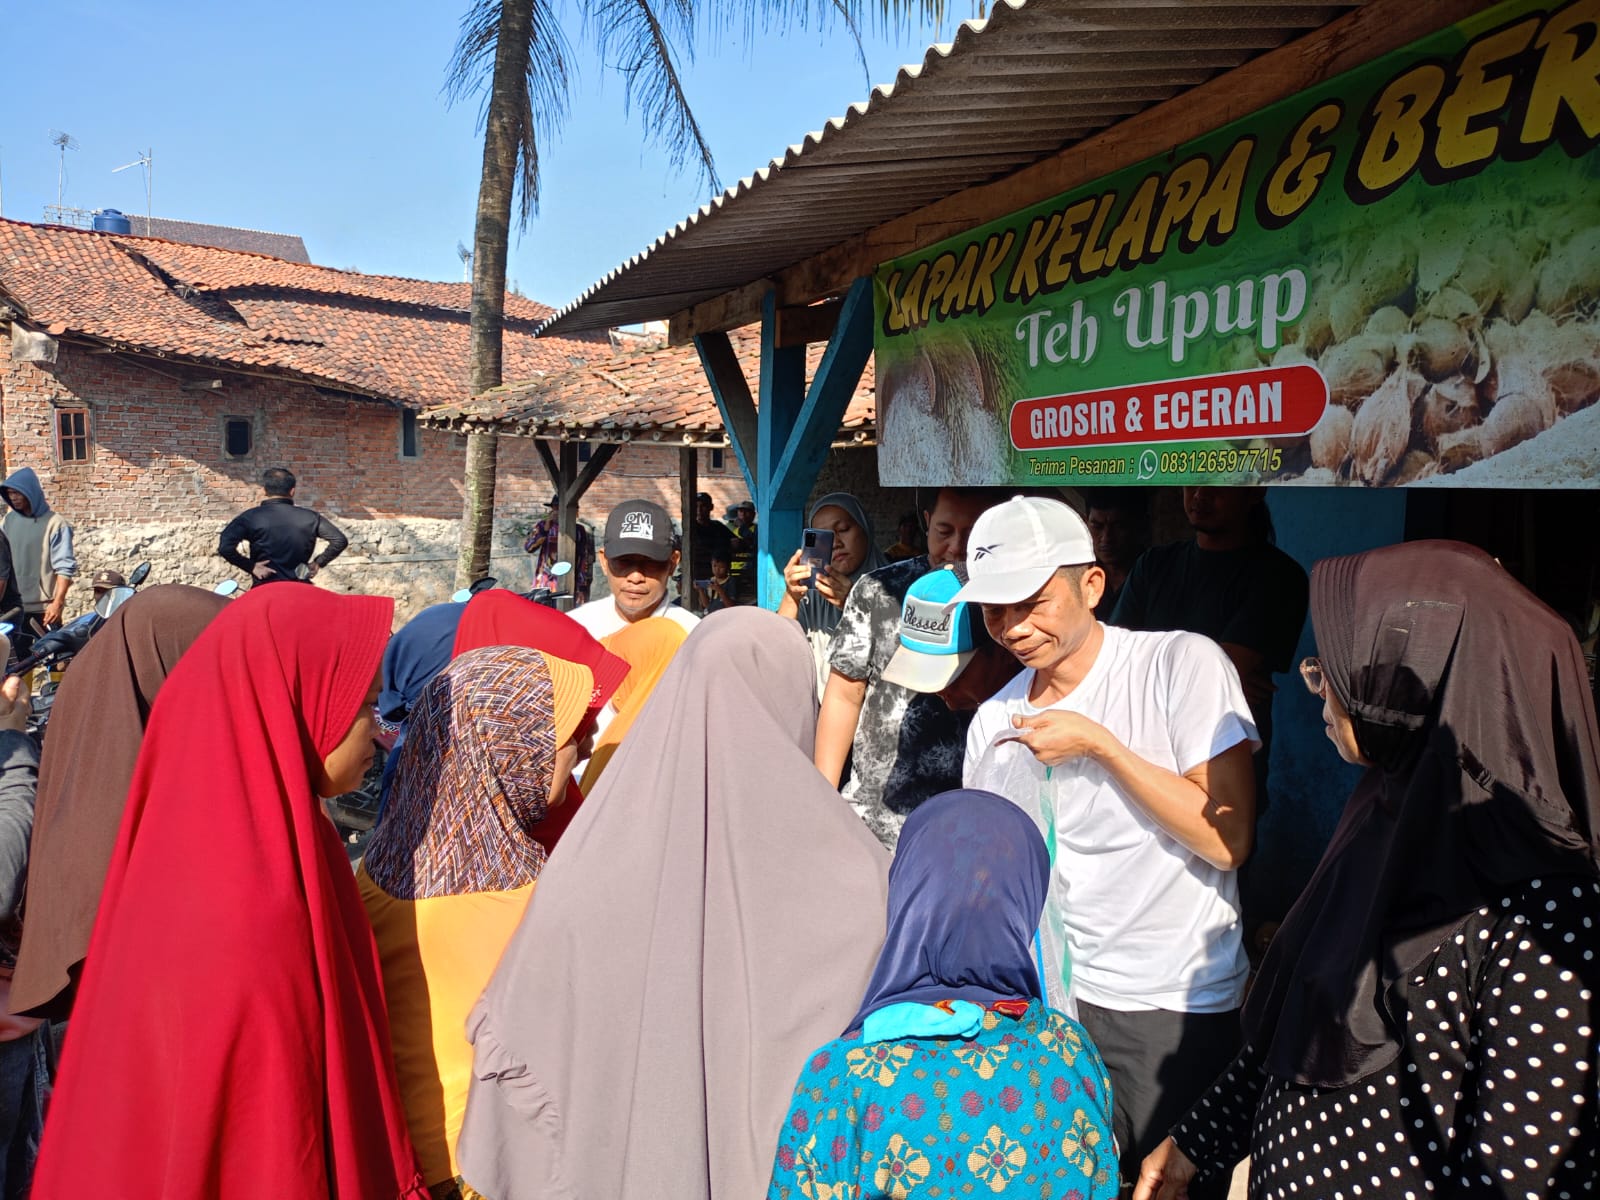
{"x": 518, "y": 49}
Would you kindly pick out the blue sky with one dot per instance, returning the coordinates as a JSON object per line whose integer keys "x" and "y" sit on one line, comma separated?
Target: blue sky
{"x": 327, "y": 120}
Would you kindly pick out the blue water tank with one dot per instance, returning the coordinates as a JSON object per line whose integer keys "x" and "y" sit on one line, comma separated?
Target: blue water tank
{"x": 109, "y": 220}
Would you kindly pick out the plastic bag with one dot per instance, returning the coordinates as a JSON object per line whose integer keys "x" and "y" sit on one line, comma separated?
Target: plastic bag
{"x": 1009, "y": 769}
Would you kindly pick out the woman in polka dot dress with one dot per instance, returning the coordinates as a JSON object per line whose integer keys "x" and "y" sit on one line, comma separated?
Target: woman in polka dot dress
{"x": 1424, "y": 1022}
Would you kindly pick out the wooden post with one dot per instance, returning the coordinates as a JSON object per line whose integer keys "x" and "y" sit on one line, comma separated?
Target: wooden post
{"x": 567, "y": 546}
{"x": 688, "y": 485}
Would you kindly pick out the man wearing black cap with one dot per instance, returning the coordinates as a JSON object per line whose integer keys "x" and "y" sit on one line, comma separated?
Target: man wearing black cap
{"x": 638, "y": 557}
{"x": 745, "y": 544}
{"x": 712, "y": 539}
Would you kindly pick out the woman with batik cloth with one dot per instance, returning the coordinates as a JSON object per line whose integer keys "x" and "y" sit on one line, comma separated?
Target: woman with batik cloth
{"x": 855, "y": 553}
{"x": 691, "y": 940}
{"x": 447, "y": 875}
{"x": 501, "y": 618}
{"x": 229, "y": 1036}
{"x": 647, "y": 647}
{"x": 1424, "y": 1019}
{"x": 953, "y": 1078}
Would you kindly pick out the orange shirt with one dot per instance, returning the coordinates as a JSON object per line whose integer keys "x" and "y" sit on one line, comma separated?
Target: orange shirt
{"x": 437, "y": 955}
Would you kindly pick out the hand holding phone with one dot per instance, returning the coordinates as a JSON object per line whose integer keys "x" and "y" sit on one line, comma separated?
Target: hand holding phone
{"x": 816, "y": 551}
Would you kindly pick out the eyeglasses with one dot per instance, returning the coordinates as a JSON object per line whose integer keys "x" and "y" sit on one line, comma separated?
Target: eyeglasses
{"x": 1311, "y": 673}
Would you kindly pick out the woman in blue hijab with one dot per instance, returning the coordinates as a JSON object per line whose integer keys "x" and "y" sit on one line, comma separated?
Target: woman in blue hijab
{"x": 953, "y": 1072}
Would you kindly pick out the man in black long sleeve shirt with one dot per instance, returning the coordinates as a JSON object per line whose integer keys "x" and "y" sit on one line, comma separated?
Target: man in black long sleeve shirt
{"x": 281, "y": 536}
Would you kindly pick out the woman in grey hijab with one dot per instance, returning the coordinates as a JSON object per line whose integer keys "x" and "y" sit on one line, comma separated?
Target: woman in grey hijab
{"x": 693, "y": 939}
{"x": 855, "y": 552}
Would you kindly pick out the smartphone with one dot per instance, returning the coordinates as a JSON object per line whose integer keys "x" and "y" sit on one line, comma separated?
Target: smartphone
{"x": 816, "y": 549}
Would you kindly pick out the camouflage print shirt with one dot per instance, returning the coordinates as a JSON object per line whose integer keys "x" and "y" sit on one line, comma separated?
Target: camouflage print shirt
{"x": 908, "y": 746}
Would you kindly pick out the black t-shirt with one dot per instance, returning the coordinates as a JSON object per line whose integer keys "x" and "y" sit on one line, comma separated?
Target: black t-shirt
{"x": 282, "y": 535}
{"x": 1254, "y": 597}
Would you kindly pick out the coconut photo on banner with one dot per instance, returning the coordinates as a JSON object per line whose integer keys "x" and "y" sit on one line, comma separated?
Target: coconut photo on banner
{"x": 1388, "y": 279}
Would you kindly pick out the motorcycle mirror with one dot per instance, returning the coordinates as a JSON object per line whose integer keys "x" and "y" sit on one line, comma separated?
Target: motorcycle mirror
{"x": 140, "y": 574}
{"x": 561, "y": 570}
{"x": 461, "y": 597}
{"x": 227, "y": 587}
{"x": 483, "y": 585}
{"x": 112, "y": 600}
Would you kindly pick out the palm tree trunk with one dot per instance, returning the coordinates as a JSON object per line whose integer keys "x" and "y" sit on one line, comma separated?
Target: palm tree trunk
{"x": 490, "y": 244}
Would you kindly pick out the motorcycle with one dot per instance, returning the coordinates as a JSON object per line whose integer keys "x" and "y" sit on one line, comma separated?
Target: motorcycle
{"x": 54, "y": 650}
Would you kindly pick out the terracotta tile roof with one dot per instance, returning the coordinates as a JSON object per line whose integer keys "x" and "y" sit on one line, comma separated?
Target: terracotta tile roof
{"x": 396, "y": 339}
{"x": 656, "y": 395}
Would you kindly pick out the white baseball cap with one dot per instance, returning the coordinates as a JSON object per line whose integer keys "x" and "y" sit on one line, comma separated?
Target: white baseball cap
{"x": 1015, "y": 547}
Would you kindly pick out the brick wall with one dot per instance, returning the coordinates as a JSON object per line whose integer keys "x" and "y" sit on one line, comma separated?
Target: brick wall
{"x": 158, "y": 483}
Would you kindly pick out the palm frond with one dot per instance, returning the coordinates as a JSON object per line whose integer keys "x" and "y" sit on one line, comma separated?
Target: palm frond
{"x": 542, "y": 103}
{"x": 641, "y": 41}
{"x": 890, "y": 16}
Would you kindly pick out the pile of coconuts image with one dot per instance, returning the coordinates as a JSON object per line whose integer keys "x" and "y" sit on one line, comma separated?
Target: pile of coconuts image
{"x": 1447, "y": 339}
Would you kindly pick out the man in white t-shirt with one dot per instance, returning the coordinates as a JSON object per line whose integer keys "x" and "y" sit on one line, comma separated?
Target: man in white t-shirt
{"x": 638, "y": 557}
{"x": 1139, "y": 744}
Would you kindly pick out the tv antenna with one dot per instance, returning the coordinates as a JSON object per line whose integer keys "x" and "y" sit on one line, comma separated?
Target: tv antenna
{"x": 62, "y": 142}
{"x": 465, "y": 256}
{"x": 147, "y": 160}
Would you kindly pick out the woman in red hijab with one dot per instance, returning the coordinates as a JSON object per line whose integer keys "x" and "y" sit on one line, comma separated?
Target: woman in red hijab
{"x": 229, "y": 1036}
{"x": 501, "y": 618}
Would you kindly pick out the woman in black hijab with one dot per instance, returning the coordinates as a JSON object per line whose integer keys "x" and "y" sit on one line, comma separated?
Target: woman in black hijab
{"x": 1424, "y": 1020}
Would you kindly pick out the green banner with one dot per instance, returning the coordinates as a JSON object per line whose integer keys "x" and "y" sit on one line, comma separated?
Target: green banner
{"x": 1390, "y": 278}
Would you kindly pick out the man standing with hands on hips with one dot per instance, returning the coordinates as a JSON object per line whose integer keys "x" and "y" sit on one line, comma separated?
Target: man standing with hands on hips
{"x": 281, "y": 536}
{"x": 1137, "y": 747}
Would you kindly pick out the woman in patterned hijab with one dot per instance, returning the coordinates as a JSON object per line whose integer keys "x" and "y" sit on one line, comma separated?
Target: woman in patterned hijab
{"x": 450, "y": 870}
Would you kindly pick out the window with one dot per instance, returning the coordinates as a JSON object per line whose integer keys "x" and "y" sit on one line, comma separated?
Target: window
{"x": 716, "y": 460}
{"x": 410, "y": 444}
{"x": 584, "y": 450}
{"x": 238, "y": 437}
{"x": 72, "y": 435}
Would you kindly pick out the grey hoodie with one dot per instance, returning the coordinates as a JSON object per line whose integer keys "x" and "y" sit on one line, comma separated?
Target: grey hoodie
{"x": 61, "y": 559}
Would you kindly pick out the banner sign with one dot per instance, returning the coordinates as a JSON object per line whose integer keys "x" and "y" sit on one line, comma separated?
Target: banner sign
{"x": 1388, "y": 278}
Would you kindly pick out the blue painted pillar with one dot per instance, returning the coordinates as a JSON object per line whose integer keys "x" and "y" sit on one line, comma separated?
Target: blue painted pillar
{"x": 781, "y": 445}
{"x": 781, "y": 397}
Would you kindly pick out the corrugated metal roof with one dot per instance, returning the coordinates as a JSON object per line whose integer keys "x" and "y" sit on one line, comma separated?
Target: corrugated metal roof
{"x": 1032, "y": 79}
{"x": 651, "y": 396}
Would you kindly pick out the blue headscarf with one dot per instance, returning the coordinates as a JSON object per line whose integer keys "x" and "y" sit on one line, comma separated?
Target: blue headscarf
{"x": 410, "y": 661}
{"x": 966, "y": 890}
{"x": 414, "y": 656}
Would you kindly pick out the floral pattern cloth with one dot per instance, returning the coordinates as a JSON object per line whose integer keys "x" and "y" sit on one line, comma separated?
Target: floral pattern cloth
{"x": 1023, "y": 1109}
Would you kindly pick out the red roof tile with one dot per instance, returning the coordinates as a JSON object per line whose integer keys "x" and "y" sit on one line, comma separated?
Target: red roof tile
{"x": 651, "y": 395}
{"x": 398, "y": 339}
